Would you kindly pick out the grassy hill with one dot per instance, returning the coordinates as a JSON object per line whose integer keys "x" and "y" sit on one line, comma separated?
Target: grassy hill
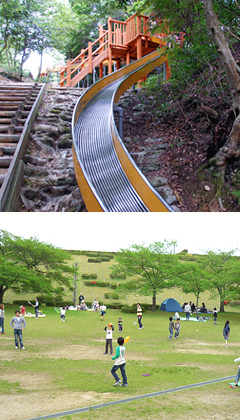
{"x": 103, "y": 270}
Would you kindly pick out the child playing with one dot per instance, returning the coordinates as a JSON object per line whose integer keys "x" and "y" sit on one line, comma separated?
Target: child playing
{"x": 226, "y": 332}
{"x": 120, "y": 324}
{"x": 215, "y": 315}
{"x": 171, "y": 326}
{"x": 62, "y": 315}
{"x": 177, "y": 327}
{"x": 109, "y": 330}
{"x": 102, "y": 311}
{"x": 120, "y": 363}
{"x": 2, "y": 318}
{"x": 18, "y": 323}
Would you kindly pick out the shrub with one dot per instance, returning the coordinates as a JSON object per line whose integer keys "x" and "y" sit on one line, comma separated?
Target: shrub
{"x": 89, "y": 283}
{"x": 94, "y": 260}
{"x": 115, "y": 305}
{"x": 50, "y": 303}
{"x": 118, "y": 276}
{"x": 85, "y": 276}
{"x": 103, "y": 283}
{"x": 21, "y": 302}
{"x": 127, "y": 309}
{"x": 111, "y": 296}
{"x": 65, "y": 303}
{"x": 104, "y": 259}
{"x": 113, "y": 286}
{"x": 92, "y": 276}
{"x": 109, "y": 256}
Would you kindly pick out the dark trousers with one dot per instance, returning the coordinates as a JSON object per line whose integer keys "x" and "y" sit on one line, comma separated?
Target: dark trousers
{"x": 109, "y": 343}
{"x": 123, "y": 373}
{"x": 140, "y": 321}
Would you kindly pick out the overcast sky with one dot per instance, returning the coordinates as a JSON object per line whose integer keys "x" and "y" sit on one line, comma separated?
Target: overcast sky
{"x": 195, "y": 232}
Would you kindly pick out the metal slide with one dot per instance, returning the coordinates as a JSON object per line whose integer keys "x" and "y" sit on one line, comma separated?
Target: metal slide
{"x": 107, "y": 176}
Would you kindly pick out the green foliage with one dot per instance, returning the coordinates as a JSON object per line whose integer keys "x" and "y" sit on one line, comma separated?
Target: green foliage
{"x": 113, "y": 286}
{"x": 28, "y": 265}
{"x": 97, "y": 283}
{"x": 111, "y": 295}
{"x": 118, "y": 276}
{"x": 115, "y": 305}
{"x": 152, "y": 268}
{"x": 237, "y": 195}
{"x": 127, "y": 309}
{"x": 89, "y": 276}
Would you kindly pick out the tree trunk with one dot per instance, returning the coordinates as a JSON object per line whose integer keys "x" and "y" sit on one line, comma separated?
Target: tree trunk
{"x": 232, "y": 70}
{"x": 221, "y": 305}
{"x": 154, "y": 301}
{"x": 40, "y": 66}
{"x": 2, "y": 291}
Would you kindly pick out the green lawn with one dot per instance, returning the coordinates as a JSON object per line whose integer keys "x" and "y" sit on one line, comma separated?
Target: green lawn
{"x": 64, "y": 368}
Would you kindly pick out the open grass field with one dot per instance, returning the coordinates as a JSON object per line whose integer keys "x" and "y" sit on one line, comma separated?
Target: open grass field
{"x": 64, "y": 368}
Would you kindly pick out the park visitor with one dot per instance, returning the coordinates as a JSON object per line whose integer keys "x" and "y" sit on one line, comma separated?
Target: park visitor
{"x": 18, "y": 323}
{"x": 139, "y": 316}
{"x": 226, "y": 332}
{"x": 109, "y": 334}
{"x": 171, "y": 326}
{"x": 177, "y": 327}
{"x": 120, "y": 363}
{"x": 2, "y": 318}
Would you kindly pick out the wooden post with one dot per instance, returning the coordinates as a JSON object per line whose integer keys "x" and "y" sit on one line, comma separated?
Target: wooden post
{"x": 128, "y": 58}
{"x": 109, "y": 45}
{"x": 90, "y": 57}
{"x": 82, "y": 58}
{"x": 139, "y": 39}
{"x": 101, "y": 39}
{"x": 168, "y": 71}
{"x": 100, "y": 70}
{"x": 68, "y": 72}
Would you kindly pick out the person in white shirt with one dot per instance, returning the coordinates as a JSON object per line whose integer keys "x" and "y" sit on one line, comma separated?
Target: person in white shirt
{"x": 187, "y": 311}
{"x": 109, "y": 334}
{"x": 62, "y": 315}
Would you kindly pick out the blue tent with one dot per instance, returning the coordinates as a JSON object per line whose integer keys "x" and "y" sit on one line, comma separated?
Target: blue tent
{"x": 170, "y": 305}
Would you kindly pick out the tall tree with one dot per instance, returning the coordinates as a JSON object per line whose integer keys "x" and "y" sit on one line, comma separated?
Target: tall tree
{"x": 151, "y": 268}
{"x": 193, "y": 276}
{"x": 223, "y": 273}
{"x": 32, "y": 266}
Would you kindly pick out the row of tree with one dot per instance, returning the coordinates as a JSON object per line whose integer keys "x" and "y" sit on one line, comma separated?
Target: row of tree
{"x": 155, "y": 268}
{"x": 28, "y": 265}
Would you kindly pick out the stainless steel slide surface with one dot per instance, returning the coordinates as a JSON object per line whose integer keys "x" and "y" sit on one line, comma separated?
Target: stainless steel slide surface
{"x": 108, "y": 178}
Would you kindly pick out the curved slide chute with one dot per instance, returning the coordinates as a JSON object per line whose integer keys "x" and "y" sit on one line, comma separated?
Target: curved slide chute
{"x": 107, "y": 176}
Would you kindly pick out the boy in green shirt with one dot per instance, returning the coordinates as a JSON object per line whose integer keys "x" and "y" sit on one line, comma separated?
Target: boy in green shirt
{"x": 120, "y": 363}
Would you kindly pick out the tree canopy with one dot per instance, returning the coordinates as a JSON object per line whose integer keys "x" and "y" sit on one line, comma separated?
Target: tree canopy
{"x": 151, "y": 268}
{"x": 28, "y": 265}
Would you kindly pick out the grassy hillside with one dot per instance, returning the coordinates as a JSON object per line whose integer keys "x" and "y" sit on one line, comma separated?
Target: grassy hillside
{"x": 103, "y": 270}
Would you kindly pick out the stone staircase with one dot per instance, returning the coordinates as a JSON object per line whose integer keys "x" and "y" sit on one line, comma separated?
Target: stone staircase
{"x": 16, "y": 103}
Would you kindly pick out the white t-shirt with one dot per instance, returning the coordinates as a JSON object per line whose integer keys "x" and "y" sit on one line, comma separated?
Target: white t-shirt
{"x": 109, "y": 333}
